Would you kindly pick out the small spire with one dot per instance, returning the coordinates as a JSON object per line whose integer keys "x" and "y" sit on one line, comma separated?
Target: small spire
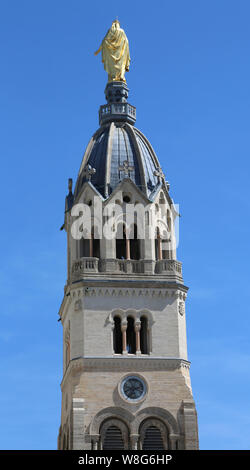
{"x": 70, "y": 183}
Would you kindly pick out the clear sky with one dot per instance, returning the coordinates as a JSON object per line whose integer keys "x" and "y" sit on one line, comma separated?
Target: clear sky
{"x": 189, "y": 80}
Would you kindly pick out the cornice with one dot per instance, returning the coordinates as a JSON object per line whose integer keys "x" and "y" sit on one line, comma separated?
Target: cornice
{"x": 135, "y": 283}
{"x": 88, "y": 290}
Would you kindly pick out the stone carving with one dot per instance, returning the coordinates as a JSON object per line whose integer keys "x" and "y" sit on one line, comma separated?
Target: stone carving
{"x": 181, "y": 308}
{"x": 88, "y": 172}
{"x": 78, "y": 305}
{"x": 126, "y": 167}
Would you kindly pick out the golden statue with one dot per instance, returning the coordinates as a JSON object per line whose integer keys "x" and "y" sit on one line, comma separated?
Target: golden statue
{"x": 115, "y": 53}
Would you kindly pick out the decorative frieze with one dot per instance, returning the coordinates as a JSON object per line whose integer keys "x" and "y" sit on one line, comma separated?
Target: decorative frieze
{"x": 111, "y": 292}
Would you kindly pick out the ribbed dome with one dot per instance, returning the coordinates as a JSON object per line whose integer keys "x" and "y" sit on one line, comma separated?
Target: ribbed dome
{"x": 116, "y": 151}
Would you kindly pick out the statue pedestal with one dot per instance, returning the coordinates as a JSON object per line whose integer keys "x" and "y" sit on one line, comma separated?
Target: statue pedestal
{"x": 116, "y": 92}
{"x": 117, "y": 107}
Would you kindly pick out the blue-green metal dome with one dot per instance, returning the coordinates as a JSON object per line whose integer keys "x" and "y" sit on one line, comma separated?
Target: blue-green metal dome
{"x": 118, "y": 150}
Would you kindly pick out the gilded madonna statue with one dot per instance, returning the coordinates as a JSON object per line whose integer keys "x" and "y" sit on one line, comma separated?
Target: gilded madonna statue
{"x": 115, "y": 53}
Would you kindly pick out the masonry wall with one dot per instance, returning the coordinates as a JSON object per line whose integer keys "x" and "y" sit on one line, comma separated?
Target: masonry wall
{"x": 91, "y": 320}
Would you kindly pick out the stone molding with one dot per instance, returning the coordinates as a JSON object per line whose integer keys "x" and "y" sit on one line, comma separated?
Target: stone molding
{"x": 123, "y": 364}
{"x": 134, "y": 313}
{"x": 134, "y": 421}
{"x": 132, "y": 292}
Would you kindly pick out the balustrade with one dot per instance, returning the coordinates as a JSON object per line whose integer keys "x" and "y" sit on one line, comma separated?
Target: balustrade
{"x": 126, "y": 266}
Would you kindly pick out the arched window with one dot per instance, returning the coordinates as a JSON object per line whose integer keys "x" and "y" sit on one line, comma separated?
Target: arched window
{"x": 113, "y": 439}
{"x": 117, "y": 336}
{"x": 134, "y": 243}
{"x": 84, "y": 247}
{"x": 144, "y": 335}
{"x": 166, "y": 246}
{"x": 131, "y": 343}
{"x": 166, "y": 239}
{"x": 152, "y": 439}
{"x": 121, "y": 249}
{"x": 166, "y": 251}
{"x": 90, "y": 247}
{"x": 162, "y": 246}
{"x": 131, "y": 336}
{"x": 94, "y": 243}
{"x": 114, "y": 435}
{"x": 153, "y": 435}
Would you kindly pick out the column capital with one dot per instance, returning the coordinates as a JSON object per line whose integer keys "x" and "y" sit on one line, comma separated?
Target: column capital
{"x": 134, "y": 438}
{"x": 137, "y": 325}
{"x": 174, "y": 436}
{"x": 124, "y": 325}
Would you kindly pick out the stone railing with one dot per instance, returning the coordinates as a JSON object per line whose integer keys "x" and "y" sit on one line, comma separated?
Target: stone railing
{"x": 125, "y": 266}
{"x": 117, "y": 111}
{"x": 85, "y": 265}
{"x": 168, "y": 265}
{"x": 130, "y": 266}
{"x": 119, "y": 266}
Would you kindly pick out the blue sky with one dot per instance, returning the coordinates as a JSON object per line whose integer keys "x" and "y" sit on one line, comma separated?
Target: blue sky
{"x": 189, "y": 80}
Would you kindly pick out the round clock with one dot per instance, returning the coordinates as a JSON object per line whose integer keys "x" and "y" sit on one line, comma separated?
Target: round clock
{"x": 133, "y": 388}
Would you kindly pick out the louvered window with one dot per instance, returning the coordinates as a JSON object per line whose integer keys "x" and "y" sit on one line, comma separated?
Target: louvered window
{"x": 153, "y": 439}
{"x": 113, "y": 439}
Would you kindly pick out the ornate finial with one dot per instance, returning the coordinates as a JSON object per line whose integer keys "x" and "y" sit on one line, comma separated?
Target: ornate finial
{"x": 126, "y": 167}
{"x": 89, "y": 172}
{"x": 161, "y": 177}
{"x": 115, "y": 53}
{"x": 159, "y": 173}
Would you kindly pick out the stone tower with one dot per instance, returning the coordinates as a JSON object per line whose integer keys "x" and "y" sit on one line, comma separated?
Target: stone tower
{"x": 126, "y": 382}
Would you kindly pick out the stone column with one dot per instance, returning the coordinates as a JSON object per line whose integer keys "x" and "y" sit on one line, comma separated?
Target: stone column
{"x": 173, "y": 438}
{"x": 137, "y": 336}
{"x": 95, "y": 442}
{"x": 127, "y": 248}
{"x": 91, "y": 246}
{"x": 134, "y": 438}
{"x": 124, "y": 336}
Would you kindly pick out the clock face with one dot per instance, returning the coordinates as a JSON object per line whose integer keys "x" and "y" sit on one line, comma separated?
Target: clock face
{"x": 133, "y": 388}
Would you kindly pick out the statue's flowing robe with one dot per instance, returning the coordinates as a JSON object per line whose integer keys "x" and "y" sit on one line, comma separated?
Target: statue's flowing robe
{"x": 115, "y": 53}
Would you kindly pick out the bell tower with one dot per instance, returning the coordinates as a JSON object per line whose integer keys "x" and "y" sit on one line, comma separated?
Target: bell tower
{"x": 126, "y": 382}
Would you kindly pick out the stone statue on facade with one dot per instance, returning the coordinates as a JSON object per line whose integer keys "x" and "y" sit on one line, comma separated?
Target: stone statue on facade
{"x": 115, "y": 53}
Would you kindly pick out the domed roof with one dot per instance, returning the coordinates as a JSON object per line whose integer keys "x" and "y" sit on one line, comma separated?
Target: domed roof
{"x": 118, "y": 150}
